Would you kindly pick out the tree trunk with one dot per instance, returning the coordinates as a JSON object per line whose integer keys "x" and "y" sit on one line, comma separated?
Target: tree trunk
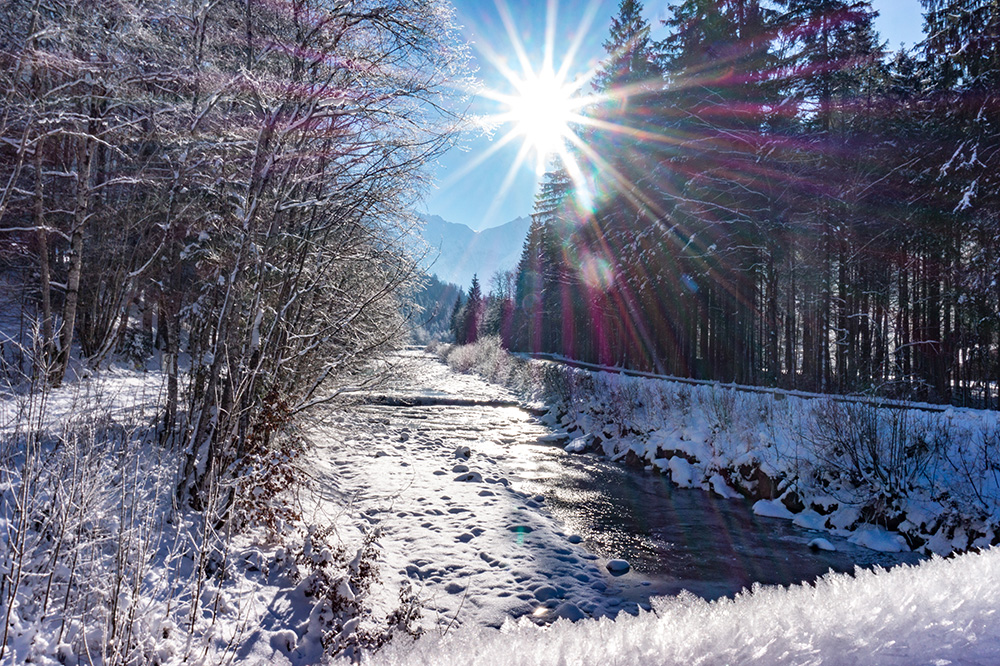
{"x": 84, "y": 163}
{"x": 43, "y": 262}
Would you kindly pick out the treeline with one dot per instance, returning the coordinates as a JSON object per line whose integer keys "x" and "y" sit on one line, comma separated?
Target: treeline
{"x": 767, "y": 196}
{"x": 223, "y": 185}
{"x": 433, "y": 305}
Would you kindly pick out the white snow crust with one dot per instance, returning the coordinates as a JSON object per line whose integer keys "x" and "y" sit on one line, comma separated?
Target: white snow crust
{"x": 938, "y": 612}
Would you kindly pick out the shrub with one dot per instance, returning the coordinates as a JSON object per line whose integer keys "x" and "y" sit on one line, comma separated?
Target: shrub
{"x": 877, "y": 449}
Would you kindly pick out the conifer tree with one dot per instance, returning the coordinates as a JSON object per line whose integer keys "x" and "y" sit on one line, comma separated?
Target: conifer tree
{"x": 472, "y": 313}
{"x": 631, "y": 61}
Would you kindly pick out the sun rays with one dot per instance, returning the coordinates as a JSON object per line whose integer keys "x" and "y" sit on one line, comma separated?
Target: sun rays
{"x": 540, "y": 105}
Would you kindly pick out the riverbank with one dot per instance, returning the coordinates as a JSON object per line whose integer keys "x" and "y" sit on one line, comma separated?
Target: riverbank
{"x": 888, "y": 478}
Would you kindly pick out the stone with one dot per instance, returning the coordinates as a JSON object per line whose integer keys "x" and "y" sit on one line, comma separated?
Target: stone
{"x": 618, "y": 566}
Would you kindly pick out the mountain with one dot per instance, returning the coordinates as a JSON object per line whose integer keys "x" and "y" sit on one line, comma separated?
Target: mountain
{"x": 456, "y": 252}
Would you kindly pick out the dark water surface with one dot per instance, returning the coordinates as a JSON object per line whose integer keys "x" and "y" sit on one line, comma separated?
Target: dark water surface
{"x": 678, "y": 539}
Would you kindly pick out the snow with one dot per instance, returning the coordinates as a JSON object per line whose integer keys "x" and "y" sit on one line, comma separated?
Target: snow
{"x": 772, "y": 509}
{"x": 819, "y": 543}
{"x": 878, "y": 539}
{"x": 939, "y": 612}
{"x": 617, "y": 566}
{"x": 453, "y": 516}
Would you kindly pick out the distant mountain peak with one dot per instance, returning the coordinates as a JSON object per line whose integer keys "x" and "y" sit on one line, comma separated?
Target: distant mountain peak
{"x": 457, "y": 252}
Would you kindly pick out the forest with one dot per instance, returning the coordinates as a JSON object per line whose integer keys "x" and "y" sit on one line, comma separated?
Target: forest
{"x": 225, "y": 186}
{"x": 769, "y": 196}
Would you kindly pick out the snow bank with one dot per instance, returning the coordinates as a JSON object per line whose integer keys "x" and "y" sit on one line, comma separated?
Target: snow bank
{"x": 106, "y": 568}
{"x": 939, "y": 612}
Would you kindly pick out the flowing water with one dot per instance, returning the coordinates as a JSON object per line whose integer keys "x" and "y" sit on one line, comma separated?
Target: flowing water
{"x": 675, "y": 539}
{"x": 679, "y": 538}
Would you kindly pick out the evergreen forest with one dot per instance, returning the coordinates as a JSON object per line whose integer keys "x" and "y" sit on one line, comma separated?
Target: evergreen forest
{"x": 770, "y": 196}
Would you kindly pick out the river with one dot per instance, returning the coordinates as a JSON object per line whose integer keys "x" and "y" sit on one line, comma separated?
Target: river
{"x": 516, "y": 526}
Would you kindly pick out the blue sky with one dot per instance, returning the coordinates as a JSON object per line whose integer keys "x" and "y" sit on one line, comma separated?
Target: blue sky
{"x": 471, "y": 179}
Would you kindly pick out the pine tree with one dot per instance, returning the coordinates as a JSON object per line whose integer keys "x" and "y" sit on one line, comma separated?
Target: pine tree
{"x": 473, "y": 312}
{"x": 631, "y": 61}
{"x": 454, "y": 321}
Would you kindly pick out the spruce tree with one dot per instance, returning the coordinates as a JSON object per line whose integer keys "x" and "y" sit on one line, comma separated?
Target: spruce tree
{"x": 473, "y": 310}
{"x": 631, "y": 60}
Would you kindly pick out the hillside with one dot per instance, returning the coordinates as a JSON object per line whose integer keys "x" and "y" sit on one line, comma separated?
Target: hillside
{"x": 457, "y": 252}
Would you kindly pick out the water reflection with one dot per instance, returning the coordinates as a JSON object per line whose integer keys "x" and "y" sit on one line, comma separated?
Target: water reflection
{"x": 675, "y": 538}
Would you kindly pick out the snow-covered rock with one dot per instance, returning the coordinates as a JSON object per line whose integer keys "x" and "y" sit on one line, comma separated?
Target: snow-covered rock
{"x": 772, "y": 509}
{"x": 879, "y": 539}
{"x": 682, "y": 473}
{"x": 819, "y": 543}
{"x": 618, "y": 566}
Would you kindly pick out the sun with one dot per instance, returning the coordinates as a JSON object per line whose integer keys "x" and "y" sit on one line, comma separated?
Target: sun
{"x": 542, "y": 110}
{"x": 535, "y": 105}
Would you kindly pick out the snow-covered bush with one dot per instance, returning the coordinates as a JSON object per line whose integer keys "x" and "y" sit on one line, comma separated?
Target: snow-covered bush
{"x": 722, "y": 407}
{"x": 337, "y": 581}
{"x": 488, "y": 358}
{"x": 83, "y": 506}
{"x": 880, "y": 450}
{"x": 973, "y": 456}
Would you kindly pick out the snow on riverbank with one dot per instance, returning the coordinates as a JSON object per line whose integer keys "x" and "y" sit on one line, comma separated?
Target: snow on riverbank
{"x": 939, "y": 612}
{"x": 431, "y": 484}
{"x": 891, "y": 478}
